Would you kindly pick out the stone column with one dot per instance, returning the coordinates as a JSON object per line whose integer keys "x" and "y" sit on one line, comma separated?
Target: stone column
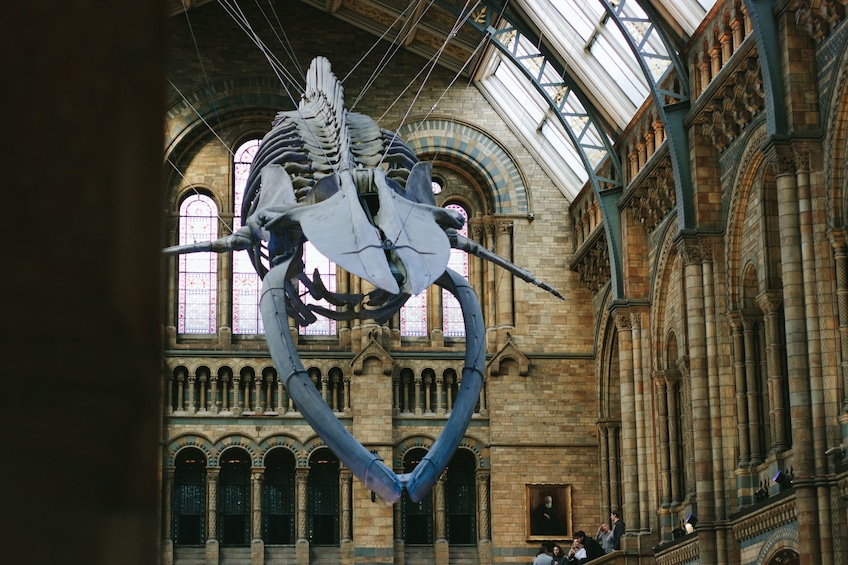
{"x": 212, "y": 548}
{"x": 814, "y": 349}
{"x": 641, "y": 403}
{"x": 798, "y": 374}
{"x": 257, "y": 544}
{"x": 675, "y": 465}
{"x": 258, "y": 407}
{"x": 439, "y": 507}
{"x": 214, "y": 405}
{"x": 236, "y": 394}
{"x": 717, "y": 419}
{"x": 301, "y": 477}
{"x": 440, "y": 393}
{"x": 442, "y": 553}
{"x": 346, "y": 518}
{"x": 503, "y": 284}
{"x": 603, "y": 445}
{"x": 490, "y": 310}
{"x": 484, "y": 534}
{"x": 769, "y": 303}
{"x": 345, "y": 483}
{"x": 203, "y": 377}
{"x": 840, "y": 257}
{"x": 662, "y": 425}
{"x": 704, "y": 472}
{"x": 739, "y": 357}
{"x": 257, "y": 478}
{"x": 629, "y": 451}
{"x": 751, "y": 390}
{"x": 192, "y": 406}
{"x": 169, "y": 393}
{"x": 281, "y": 396}
{"x": 475, "y": 264}
{"x": 168, "y": 517}
{"x": 416, "y": 384}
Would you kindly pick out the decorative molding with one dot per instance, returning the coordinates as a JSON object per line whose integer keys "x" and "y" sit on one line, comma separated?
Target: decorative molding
{"x": 766, "y": 520}
{"x": 509, "y": 352}
{"x": 372, "y": 351}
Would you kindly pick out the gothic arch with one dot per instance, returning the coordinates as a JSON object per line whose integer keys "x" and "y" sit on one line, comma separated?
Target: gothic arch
{"x": 608, "y": 382}
{"x": 490, "y": 160}
{"x": 743, "y": 182}
{"x": 836, "y": 146}
{"x": 667, "y": 262}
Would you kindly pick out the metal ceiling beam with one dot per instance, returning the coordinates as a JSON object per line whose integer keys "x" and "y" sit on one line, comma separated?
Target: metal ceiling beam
{"x": 657, "y": 56}
{"x": 761, "y": 13}
{"x": 511, "y": 35}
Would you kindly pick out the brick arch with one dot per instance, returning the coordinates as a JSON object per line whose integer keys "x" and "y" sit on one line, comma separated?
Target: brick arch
{"x": 481, "y": 152}
{"x": 785, "y": 537}
{"x": 280, "y": 441}
{"x": 478, "y": 449}
{"x": 743, "y": 182}
{"x": 249, "y": 97}
{"x": 238, "y": 440}
{"x": 190, "y": 440}
{"x": 836, "y": 146}
{"x": 666, "y": 263}
{"x": 409, "y": 443}
{"x": 187, "y": 188}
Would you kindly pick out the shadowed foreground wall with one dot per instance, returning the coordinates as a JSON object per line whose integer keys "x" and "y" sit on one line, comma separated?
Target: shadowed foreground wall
{"x": 81, "y": 122}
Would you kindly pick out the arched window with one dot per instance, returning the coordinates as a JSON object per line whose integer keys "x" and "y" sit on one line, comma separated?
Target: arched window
{"x": 198, "y": 272}
{"x": 278, "y": 501}
{"x": 323, "y": 498}
{"x": 417, "y": 520}
{"x": 189, "y": 501}
{"x": 234, "y": 498}
{"x": 247, "y": 285}
{"x": 313, "y": 260}
{"x": 413, "y": 316}
{"x": 452, "y": 320}
{"x": 461, "y": 499}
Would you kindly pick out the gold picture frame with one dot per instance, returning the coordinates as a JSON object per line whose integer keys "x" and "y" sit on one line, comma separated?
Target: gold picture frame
{"x": 543, "y": 523}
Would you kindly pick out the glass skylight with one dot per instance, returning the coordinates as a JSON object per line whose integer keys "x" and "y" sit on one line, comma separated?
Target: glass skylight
{"x": 598, "y": 59}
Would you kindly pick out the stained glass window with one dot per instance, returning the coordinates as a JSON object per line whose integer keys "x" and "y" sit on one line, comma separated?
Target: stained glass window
{"x": 453, "y": 323}
{"x": 247, "y": 285}
{"x": 313, "y": 260}
{"x": 413, "y": 316}
{"x": 198, "y": 272}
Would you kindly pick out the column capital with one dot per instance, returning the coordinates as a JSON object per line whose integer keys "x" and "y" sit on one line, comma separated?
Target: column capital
{"x": 734, "y": 318}
{"x": 770, "y": 301}
{"x": 780, "y": 156}
{"x": 837, "y": 238}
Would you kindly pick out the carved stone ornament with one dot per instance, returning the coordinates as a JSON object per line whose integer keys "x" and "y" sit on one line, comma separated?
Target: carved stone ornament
{"x": 361, "y": 197}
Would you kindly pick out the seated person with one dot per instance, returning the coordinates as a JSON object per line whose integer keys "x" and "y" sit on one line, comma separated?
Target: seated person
{"x": 588, "y": 545}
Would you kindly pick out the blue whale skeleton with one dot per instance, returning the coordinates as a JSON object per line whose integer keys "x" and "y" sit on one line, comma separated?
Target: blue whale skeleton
{"x": 363, "y": 199}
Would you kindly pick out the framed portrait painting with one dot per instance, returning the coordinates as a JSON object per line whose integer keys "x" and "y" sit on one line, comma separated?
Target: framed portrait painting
{"x": 548, "y": 512}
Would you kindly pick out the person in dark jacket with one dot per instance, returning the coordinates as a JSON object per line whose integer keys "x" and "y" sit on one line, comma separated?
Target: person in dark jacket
{"x": 617, "y": 529}
{"x": 593, "y": 548}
